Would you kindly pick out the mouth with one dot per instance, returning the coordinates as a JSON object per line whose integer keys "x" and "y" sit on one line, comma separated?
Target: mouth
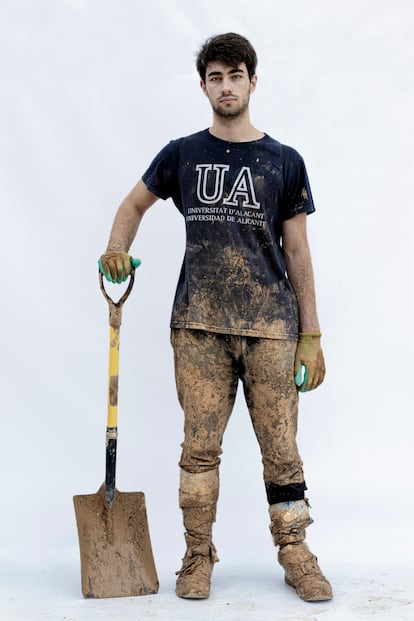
{"x": 227, "y": 99}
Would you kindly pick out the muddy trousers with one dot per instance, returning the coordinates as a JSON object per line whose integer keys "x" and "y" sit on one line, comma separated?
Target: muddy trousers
{"x": 208, "y": 367}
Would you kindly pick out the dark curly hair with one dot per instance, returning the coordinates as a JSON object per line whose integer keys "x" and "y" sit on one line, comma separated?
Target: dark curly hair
{"x": 231, "y": 49}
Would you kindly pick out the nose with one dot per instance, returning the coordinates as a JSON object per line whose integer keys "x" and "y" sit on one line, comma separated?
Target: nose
{"x": 226, "y": 86}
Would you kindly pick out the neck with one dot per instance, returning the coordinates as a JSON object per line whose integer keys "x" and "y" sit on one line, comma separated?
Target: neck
{"x": 234, "y": 129}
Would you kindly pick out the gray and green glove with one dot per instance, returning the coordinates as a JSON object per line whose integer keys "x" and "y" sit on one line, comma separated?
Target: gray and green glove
{"x": 117, "y": 265}
{"x": 309, "y": 355}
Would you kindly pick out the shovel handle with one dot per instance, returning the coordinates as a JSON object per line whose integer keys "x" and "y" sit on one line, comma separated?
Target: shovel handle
{"x": 115, "y": 317}
{"x": 126, "y": 293}
{"x": 112, "y": 414}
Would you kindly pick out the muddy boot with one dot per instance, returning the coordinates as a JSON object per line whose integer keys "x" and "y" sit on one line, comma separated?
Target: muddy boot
{"x": 194, "y": 577}
{"x": 198, "y": 498}
{"x": 302, "y": 572}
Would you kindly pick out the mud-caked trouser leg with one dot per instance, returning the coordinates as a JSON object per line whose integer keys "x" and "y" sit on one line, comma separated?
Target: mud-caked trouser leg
{"x": 206, "y": 386}
{"x": 273, "y": 403}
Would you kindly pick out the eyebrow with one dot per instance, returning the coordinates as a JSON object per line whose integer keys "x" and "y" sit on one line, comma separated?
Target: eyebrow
{"x": 232, "y": 71}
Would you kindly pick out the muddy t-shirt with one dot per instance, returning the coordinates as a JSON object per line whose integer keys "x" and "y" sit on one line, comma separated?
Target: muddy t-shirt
{"x": 234, "y": 198}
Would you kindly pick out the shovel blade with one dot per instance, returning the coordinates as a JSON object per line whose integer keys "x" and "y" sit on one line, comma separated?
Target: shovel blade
{"x": 115, "y": 547}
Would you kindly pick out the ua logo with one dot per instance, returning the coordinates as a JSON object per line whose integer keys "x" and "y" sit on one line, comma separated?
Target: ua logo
{"x": 241, "y": 194}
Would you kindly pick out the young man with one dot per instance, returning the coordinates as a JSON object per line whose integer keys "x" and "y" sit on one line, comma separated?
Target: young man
{"x": 244, "y": 308}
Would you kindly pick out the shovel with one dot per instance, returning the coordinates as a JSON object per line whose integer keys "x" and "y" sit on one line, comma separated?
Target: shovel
{"x": 115, "y": 546}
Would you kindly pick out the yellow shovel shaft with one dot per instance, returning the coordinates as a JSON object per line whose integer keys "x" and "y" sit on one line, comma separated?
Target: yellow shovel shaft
{"x": 113, "y": 377}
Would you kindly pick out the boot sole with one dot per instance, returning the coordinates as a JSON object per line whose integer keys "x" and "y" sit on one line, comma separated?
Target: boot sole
{"x": 192, "y": 595}
{"x": 316, "y": 598}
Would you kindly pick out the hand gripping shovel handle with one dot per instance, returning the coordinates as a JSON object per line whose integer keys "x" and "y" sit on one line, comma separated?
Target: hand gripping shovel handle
{"x": 115, "y": 318}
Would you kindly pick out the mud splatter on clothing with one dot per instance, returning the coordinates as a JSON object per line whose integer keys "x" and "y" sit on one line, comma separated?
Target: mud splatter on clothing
{"x": 234, "y": 198}
{"x": 208, "y": 368}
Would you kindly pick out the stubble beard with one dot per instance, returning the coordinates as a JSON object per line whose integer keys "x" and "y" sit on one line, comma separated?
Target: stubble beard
{"x": 231, "y": 112}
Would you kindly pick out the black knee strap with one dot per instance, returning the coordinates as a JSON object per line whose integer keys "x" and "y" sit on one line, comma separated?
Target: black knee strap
{"x": 283, "y": 493}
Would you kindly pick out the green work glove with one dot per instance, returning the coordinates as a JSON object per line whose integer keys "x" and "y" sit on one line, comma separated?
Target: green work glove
{"x": 116, "y": 266}
{"x": 309, "y": 354}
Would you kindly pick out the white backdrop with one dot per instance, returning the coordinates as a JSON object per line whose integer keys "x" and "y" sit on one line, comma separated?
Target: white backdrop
{"x": 90, "y": 91}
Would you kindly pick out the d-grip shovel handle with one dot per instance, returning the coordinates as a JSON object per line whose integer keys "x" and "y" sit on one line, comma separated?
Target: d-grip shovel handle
{"x": 115, "y": 317}
{"x": 115, "y": 308}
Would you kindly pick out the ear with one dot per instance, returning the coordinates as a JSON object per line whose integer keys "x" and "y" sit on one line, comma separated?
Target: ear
{"x": 253, "y": 83}
{"x": 203, "y": 87}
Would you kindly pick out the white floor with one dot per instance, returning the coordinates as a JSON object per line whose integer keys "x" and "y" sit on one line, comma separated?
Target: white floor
{"x": 243, "y": 588}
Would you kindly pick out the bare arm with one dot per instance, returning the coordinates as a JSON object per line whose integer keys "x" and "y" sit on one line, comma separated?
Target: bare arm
{"x": 129, "y": 216}
{"x": 299, "y": 269}
{"x": 116, "y": 262}
{"x": 300, "y": 272}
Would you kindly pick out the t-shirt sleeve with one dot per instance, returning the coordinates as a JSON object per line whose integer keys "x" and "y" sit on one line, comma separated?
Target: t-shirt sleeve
{"x": 297, "y": 195}
{"x": 161, "y": 177}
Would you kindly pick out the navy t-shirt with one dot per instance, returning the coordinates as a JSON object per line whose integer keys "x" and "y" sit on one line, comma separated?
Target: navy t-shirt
{"x": 234, "y": 198}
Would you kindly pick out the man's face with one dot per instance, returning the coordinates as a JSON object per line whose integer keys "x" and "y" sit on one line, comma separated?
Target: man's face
{"x": 228, "y": 88}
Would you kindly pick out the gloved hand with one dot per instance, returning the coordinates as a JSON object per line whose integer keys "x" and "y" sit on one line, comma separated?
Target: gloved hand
{"x": 116, "y": 265}
{"x": 309, "y": 353}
